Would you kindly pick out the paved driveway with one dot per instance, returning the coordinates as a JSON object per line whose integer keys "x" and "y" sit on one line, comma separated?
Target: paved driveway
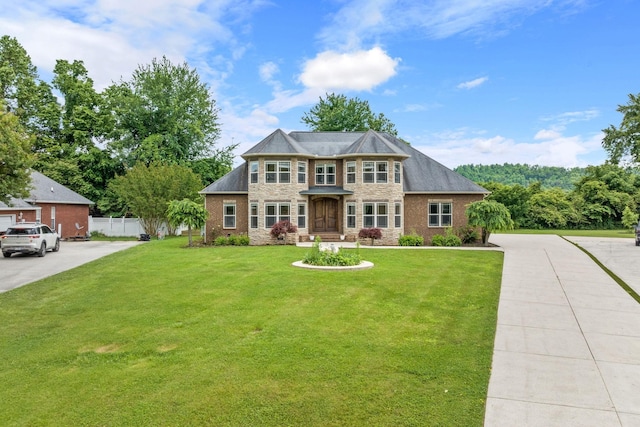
{"x": 22, "y": 269}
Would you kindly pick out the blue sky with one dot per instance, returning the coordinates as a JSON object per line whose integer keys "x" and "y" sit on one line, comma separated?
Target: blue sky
{"x": 465, "y": 81}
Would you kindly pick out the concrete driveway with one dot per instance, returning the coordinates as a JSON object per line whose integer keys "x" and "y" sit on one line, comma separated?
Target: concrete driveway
{"x": 22, "y": 269}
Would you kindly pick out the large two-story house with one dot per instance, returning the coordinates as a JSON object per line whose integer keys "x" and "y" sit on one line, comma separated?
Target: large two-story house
{"x": 333, "y": 184}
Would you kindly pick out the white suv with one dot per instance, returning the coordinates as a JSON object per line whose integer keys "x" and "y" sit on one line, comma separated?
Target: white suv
{"x": 29, "y": 238}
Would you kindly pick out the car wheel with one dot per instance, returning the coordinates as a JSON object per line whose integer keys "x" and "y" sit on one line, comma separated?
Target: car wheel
{"x": 6, "y": 254}
{"x": 43, "y": 249}
{"x": 56, "y": 248}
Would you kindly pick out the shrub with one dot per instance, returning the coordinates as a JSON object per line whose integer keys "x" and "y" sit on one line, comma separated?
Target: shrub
{"x": 221, "y": 241}
{"x": 449, "y": 239}
{"x": 233, "y": 240}
{"x": 329, "y": 258}
{"x": 282, "y": 228}
{"x": 412, "y": 239}
{"x": 370, "y": 233}
{"x": 467, "y": 234}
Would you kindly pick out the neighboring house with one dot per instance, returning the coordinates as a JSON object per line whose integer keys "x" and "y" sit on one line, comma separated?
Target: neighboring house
{"x": 50, "y": 203}
{"x": 333, "y": 184}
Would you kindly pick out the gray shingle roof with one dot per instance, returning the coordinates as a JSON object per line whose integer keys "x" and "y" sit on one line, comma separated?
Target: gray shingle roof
{"x": 46, "y": 190}
{"x": 422, "y": 174}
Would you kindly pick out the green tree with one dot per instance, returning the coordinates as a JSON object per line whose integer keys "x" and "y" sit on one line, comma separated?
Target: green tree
{"x": 146, "y": 191}
{"x": 25, "y": 95}
{"x": 550, "y": 208}
{"x": 342, "y": 114}
{"x": 164, "y": 113}
{"x": 187, "y": 212}
{"x": 490, "y": 216}
{"x": 215, "y": 167}
{"x": 15, "y": 158}
{"x": 624, "y": 141}
{"x": 629, "y": 218}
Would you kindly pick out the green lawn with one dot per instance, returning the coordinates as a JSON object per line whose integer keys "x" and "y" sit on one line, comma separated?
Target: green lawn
{"x": 161, "y": 335}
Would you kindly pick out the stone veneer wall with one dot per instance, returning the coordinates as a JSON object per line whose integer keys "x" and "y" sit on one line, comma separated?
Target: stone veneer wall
{"x": 389, "y": 193}
{"x": 416, "y": 212}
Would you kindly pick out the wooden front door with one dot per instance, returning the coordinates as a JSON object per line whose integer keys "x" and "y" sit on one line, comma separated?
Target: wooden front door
{"x": 325, "y": 218}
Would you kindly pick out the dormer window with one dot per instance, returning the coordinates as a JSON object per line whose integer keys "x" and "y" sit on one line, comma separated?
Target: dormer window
{"x": 325, "y": 174}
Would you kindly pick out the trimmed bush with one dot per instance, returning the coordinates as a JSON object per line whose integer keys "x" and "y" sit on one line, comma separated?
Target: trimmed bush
{"x": 449, "y": 239}
{"x": 370, "y": 233}
{"x": 467, "y": 234}
{"x": 412, "y": 239}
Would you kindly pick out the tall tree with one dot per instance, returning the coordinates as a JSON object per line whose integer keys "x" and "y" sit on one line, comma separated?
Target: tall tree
{"x": 15, "y": 158}
{"x": 25, "y": 95}
{"x": 74, "y": 158}
{"x": 147, "y": 191}
{"x": 342, "y": 114}
{"x": 623, "y": 142}
{"x": 164, "y": 113}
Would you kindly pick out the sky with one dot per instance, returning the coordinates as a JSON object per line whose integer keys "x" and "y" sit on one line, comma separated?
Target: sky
{"x": 464, "y": 81}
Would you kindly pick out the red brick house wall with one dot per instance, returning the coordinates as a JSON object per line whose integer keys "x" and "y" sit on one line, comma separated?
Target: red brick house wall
{"x": 66, "y": 216}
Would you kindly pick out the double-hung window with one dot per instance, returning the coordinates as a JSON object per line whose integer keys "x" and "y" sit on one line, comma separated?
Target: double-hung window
{"x": 440, "y": 214}
{"x": 275, "y": 212}
{"x": 277, "y": 172}
{"x": 229, "y": 214}
{"x": 253, "y": 172}
{"x": 398, "y": 215}
{"x": 397, "y": 170}
{"x": 374, "y": 172}
{"x": 325, "y": 174}
{"x": 375, "y": 215}
{"x": 351, "y": 172}
{"x": 351, "y": 215}
{"x": 253, "y": 215}
{"x": 302, "y": 215}
{"x": 302, "y": 172}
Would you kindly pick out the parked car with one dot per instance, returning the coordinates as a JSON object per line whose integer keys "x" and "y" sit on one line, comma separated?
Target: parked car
{"x": 29, "y": 238}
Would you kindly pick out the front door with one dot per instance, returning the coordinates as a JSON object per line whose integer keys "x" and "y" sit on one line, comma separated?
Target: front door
{"x": 325, "y": 219}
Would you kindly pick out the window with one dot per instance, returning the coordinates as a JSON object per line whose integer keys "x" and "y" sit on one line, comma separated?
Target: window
{"x": 275, "y": 212}
{"x": 440, "y": 214}
{"x": 351, "y": 172}
{"x": 229, "y": 214}
{"x": 374, "y": 172}
{"x": 302, "y": 172}
{"x": 302, "y": 215}
{"x": 53, "y": 217}
{"x": 277, "y": 172}
{"x": 326, "y": 174}
{"x": 368, "y": 169}
{"x": 397, "y": 170}
{"x": 253, "y": 172}
{"x": 253, "y": 215}
{"x": 351, "y": 215}
{"x": 375, "y": 215}
{"x": 381, "y": 172}
{"x": 398, "y": 215}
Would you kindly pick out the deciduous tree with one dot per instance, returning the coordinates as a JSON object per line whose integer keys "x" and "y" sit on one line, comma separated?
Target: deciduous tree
{"x": 164, "y": 113}
{"x": 15, "y": 158}
{"x": 147, "y": 190}
{"x": 187, "y": 212}
{"x": 342, "y": 114}
{"x": 623, "y": 142}
{"x": 490, "y": 216}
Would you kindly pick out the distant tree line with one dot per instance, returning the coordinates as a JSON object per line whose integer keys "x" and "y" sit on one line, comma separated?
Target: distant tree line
{"x": 604, "y": 197}
{"x": 523, "y": 174}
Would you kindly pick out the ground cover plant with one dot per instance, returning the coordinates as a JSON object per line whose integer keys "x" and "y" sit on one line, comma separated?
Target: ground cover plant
{"x": 233, "y": 336}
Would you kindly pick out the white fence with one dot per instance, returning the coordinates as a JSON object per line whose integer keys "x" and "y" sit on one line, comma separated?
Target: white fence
{"x": 121, "y": 227}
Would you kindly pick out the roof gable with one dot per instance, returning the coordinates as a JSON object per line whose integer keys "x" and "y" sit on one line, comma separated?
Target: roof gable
{"x": 46, "y": 190}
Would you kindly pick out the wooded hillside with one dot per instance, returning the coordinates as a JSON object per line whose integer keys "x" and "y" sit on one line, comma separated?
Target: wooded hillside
{"x": 510, "y": 174}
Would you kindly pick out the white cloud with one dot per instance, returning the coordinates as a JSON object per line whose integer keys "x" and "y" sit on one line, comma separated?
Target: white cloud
{"x": 473, "y": 83}
{"x": 358, "y": 70}
{"x": 548, "y": 148}
{"x": 363, "y": 20}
